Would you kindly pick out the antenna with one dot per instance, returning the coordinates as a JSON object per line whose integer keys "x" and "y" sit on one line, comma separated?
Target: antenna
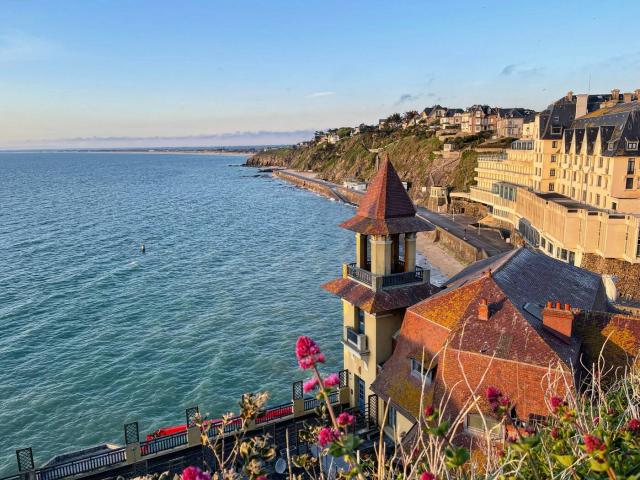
{"x": 589, "y": 87}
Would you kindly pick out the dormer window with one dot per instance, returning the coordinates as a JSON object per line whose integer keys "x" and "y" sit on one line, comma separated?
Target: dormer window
{"x": 419, "y": 370}
{"x": 632, "y": 145}
{"x": 611, "y": 145}
{"x": 556, "y": 129}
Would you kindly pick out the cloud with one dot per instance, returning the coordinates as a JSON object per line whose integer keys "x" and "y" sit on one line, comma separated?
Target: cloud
{"x": 21, "y": 47}
{"x": 320, "y": 94}
{"x": 246, "y": 138}
{"x": 514, "y": 69}
{"x": 407, "y": 97}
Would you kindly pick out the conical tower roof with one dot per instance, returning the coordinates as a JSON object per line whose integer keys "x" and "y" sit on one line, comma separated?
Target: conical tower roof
{"x": 386, "y": 207}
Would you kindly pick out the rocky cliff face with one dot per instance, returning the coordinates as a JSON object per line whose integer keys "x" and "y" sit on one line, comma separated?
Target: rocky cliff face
{"x": 417, "y": 156}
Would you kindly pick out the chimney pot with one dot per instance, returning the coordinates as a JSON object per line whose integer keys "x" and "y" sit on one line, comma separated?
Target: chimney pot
{"x": 615, "y": 94}
{"x": 557, "y": 321}
{"x": 627, "y": 97}
{"x": 483, "y": 310}
{"x": 549, "y": 304}
{"x": 558, "y": 305}
{"x": 567, "y": 307}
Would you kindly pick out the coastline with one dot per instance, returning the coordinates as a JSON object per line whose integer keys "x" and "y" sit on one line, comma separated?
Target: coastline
{"x": 438, "y": 256}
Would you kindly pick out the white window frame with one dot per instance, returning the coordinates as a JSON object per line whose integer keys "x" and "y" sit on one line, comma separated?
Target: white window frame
{"x": 495, "y": 432}
{"x": 417, "y": 370}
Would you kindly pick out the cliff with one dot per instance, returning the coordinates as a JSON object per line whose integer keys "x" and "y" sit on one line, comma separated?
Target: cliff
{"x": 416, "y": 153}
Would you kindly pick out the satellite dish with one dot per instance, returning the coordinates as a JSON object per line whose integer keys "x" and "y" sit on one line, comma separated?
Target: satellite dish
{"x": 281, "y": 466}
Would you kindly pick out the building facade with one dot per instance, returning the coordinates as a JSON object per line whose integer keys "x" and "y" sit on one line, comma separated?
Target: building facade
{"x": 574, "y": 187}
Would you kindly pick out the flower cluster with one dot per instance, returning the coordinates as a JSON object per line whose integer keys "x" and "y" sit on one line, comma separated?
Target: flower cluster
{"x": 308, "y": 353}
{"x": 345, "y": 419}
{"x": 327, "y": 435}
{"x": 593, "y": 444}
{"x": 499, "y": 402}
{"x": 194, "y": 473}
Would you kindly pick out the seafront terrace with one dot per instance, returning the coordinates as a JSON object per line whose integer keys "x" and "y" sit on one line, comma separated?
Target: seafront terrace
{"x": 176, "y": 451}
{"x": 377, "y": 282}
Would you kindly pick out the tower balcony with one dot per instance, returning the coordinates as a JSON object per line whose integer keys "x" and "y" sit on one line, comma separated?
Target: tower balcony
{"x": 378, "y": 282}
{"x": 355, "y": 341}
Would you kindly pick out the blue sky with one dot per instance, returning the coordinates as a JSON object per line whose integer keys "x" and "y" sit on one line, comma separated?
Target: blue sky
{"x": 158, "y": 72}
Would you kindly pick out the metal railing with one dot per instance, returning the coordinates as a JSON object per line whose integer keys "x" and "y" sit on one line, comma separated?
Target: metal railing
{"x": 403, "y": 278}
{"x": 359, "y": 274}
{"x": 161, "y": 444}
{"x": 392, "y": 280}
{"x": 83, "y": 465}
{"x": 311, "y": 403}
{"x": 275, "y": 413}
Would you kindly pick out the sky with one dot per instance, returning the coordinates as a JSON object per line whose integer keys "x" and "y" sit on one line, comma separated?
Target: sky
{"x": 102, "y": 73}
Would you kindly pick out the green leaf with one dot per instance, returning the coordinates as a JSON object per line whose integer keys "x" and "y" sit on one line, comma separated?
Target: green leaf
{"x": 456, "y": 457}
{"x": 565, "y": 460}
{"x": 597, "y": 466}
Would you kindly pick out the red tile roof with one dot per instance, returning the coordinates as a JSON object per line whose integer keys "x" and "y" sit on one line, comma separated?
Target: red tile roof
{"x": 386, "y": 207}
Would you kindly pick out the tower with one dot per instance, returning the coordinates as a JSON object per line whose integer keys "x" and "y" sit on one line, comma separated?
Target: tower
{"x": 383, "y": 281}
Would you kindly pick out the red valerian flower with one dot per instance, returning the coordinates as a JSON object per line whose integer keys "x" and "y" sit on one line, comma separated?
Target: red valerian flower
{"x": 308, "y": 353}
{"x": 345, "y": 419}
{"x": 634, "y": 425}
{"x": 427, "y": 476}
{"x": 262, "y": 477}
{"x": 493, "y": 394}
{"x": 310, "y": 385}
{"x": 556, "y": 403}
{"x": 555, "y": 433}
{"x": 429, "y": 411}
{"x": 194, "y": 473}
{"x": 592, "y": 444}
{"x": 327, "y": 435}
{"x": 332, "y": 380}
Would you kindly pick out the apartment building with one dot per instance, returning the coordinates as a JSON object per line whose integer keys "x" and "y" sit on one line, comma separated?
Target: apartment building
{"x": 574, "y": 187}
{"x": 479, "y": 118}
{"x": 510, "y": 121}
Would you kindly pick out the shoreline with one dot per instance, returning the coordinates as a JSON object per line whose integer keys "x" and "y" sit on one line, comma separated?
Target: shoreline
{"x": 438, "y": 257}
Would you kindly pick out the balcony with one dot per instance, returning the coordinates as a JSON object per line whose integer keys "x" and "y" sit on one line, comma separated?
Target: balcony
{"x": 376, "y": 282}
{"x": 355, "y": 341}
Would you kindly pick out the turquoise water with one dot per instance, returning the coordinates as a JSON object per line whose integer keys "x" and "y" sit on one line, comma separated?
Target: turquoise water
{"x": 94, "y": 334}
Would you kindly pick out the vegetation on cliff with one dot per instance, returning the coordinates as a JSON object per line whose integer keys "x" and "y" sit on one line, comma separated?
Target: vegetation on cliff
{"x": 415, "y": 152}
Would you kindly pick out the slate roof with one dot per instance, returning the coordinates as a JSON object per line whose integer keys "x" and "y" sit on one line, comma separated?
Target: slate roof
{"x": 384, "y": 300}
{"x": 386, "y": 207}
{"x": 562, "y": 113}
{"x": 515, "y": 112}
{"x": 616, "y": 125}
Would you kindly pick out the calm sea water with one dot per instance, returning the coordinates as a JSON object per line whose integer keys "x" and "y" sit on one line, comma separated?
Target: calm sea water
{"x": 94, "y": 334}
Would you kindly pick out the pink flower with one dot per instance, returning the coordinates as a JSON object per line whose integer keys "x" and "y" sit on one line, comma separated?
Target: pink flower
{"x": 634, "y": 425}
{"x": 326, "y": 435}
{"x": 429, "y": 411}
{"x": 332, "y": 380}
{"x": 308, "y": 353}
{"x": 591, "y": 444}
{"x": 557, "y": 403}
{"x": 596, "y": 420}
{"x": 262, "y": 477}
{"x": 310, "y": 385}
{"x": 427, "y": 476}
{"x": 493, "y": 394}
{"x": 345, "y": 419}
{"x": 555, "y": 433}
{"x": 194, "y": 473}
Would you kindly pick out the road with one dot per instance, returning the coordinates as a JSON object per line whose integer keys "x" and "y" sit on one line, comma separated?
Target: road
{"x": 486, "y": 239}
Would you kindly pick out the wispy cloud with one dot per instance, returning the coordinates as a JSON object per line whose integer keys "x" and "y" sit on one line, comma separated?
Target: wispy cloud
{"x": 515, "y": 69}
{"x": 320, "y": 94}
{"x": 18, "y": 46}
{"x": 407, "y": 97}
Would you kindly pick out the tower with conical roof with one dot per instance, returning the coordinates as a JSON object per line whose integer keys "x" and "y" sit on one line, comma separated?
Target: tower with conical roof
{"x": 383, "y": 281}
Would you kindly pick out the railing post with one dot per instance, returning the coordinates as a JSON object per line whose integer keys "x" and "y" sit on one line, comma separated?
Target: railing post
{"x": 297, "y": 397}
{"x": 376, "y": 282}
{"x": 26, "y": 466}
{"x": 345, "y": 270}
{"x": 132, "y": 443}
{"x": 193, "y": 431}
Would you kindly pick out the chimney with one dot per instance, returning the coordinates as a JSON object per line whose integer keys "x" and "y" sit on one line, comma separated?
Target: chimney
{"x": 615, "y": 95}
{"x": 558, "y": 321}
{"x": 483, "y": 310}
{"x": 637, "y": 93}
{"x": 570, "y": 95}
{"x": 627, "y": 97}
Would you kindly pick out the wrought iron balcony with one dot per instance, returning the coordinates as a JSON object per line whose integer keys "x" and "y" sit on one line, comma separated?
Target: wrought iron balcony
{"x": 385, "y": 281}
{"x": 356, "y": 341}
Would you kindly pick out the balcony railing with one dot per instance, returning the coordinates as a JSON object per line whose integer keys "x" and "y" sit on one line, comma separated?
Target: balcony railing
{"x": 357, "y": 341}
{"x": 385, "y": 281}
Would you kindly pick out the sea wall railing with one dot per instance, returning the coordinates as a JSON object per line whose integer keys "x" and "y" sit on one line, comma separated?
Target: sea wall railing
{"x": 135, "y": 451}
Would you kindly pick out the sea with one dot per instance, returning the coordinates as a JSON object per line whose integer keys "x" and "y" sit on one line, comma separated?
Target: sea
{"x": 95, "y": 333}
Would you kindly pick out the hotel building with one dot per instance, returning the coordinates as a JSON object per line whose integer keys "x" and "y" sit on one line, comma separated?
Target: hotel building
{"x": 573, "y": 188}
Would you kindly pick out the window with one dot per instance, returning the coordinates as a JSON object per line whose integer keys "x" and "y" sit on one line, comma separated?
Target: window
{"x": 598, "y": 199}
{"x": 631, "y": 166}
{"x": 475, "y": 425}
{"x": 628, "y": 183}
{"x": 554, "y": 144}
{"x": 573, "y": 191}
{"x": 599, "y": 181}
{"x": 600, "y": 163}
{"x": 360, "y": 320}
{"x": 552, "y": 187}
{"x": 392, "y": 417}
{"x": 418, "y": 370}
{"x": 552, "y": 172}
{"x": 553, "y": 159}
{"x": 574, "y": 176}
{"x": 556, "y": 130}
{"x": 632, "y": 145}
{"x": 543, "y": 242}
{"x": 614, "y": 205}
{"x": 563, "y": 254}
{"x": 611, "y": 146}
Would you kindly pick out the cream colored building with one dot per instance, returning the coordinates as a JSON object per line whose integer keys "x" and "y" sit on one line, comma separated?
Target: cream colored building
{"x": 574, "y": 187}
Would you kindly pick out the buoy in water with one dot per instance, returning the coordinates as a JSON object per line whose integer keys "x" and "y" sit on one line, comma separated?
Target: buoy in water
{"x": 142, "y": 249}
